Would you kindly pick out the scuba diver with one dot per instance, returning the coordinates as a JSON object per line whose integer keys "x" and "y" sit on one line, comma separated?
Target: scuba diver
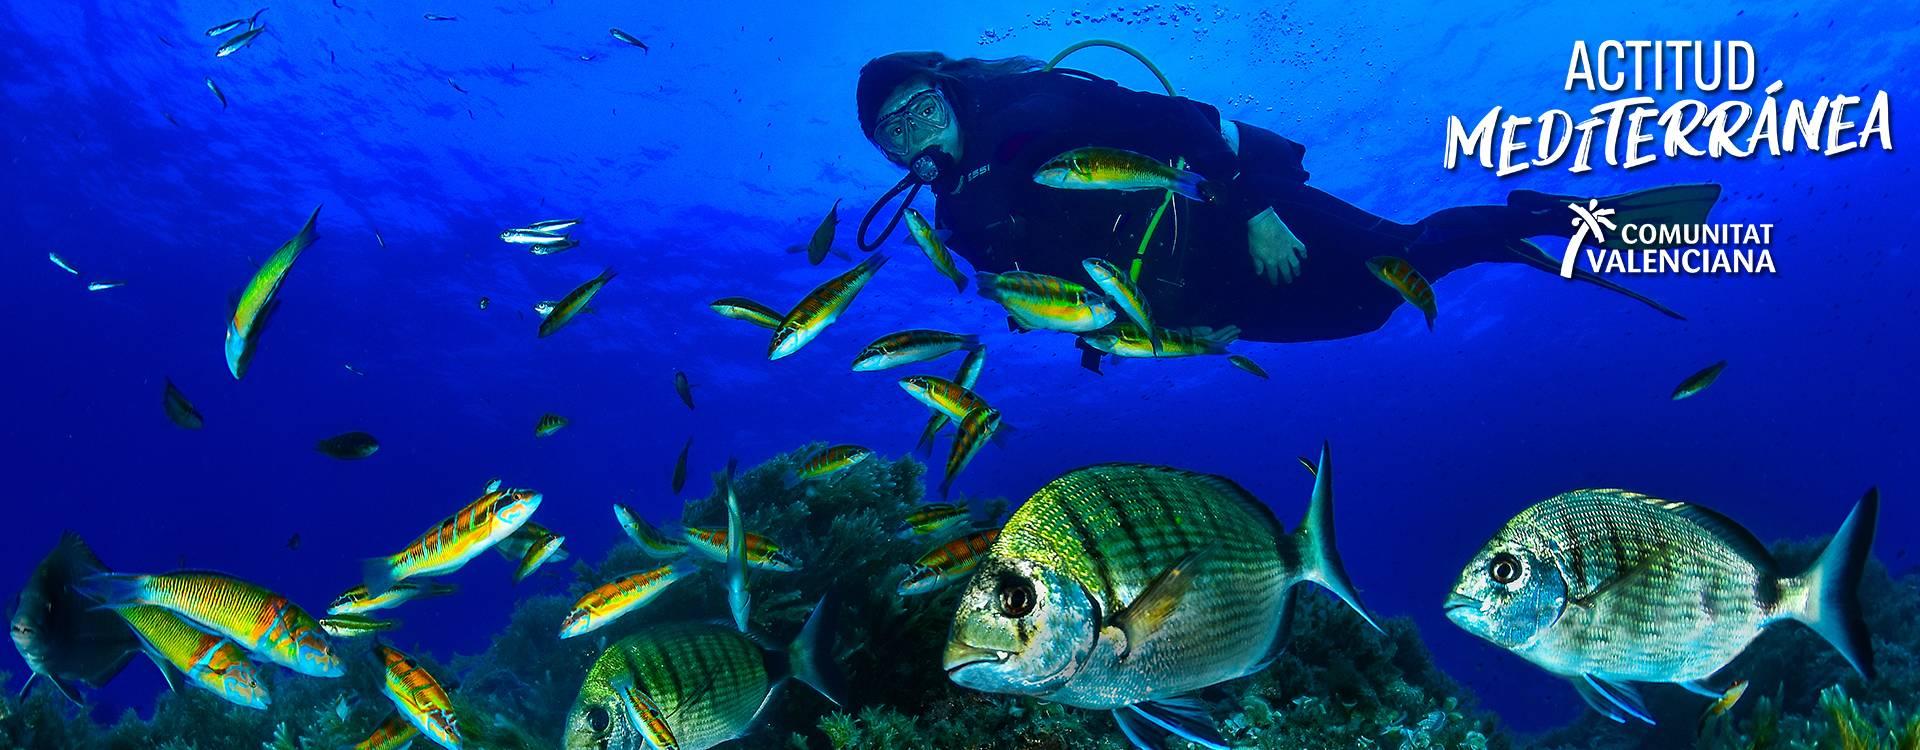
{"x": 1263, "y": 251}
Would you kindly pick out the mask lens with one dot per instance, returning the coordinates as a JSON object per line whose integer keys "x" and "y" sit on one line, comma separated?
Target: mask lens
{"x": 901, "y": 128}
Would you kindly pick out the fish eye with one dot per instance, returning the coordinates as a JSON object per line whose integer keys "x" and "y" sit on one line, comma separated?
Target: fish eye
{"x": 1505, "y": 569}
{"x": 598, "y": 719}
{"x": 1016, "y": 597}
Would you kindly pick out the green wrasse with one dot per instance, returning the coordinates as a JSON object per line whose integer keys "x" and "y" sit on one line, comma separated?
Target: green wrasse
{"x": 968, "y": 375}
{"x": 179, "y": 409}
{"x": 348, "y": 446}
{"x": 354, "y": 626}
{"x": 1125, "y": 587}
{"x": 393, "y": 733}
{"x": 1413, "y": 287}
{"x": 821, "y": 307}
{"x": 1251, "y": 367}
{"x": 1124, "y": 295}
{"x": 573, "y": 303}
{"x": 208, "y": 661}
{"x": 459, "y": 538}
{"x": 1699, "y": 381}
{"x": 418, "y": 697}
{"x": 1095, "y": 168}
{"x": 1128, "y": 340}
{"x": 680, "y": 467}
{"x": 258, "y": 301}
{"x": 932, "y": 518}
{"x": 614, "y": 599}
{"x": 930, "y": 242}
{"x": 909, "y": 347}
{"x": 657, "y": 545}
{"x": 741, "y": 308}
{"x": 944, "y": 396}
{"x": 548, "y": 424}
{"x": 1608, "y": 588}
{"x": 239, "y": 42}
{"x": 761, "y": 552}
{"x": 976, "y": 430}
{"x": 358, "y": 601}
{"x": 947, "y": 564}
{"x": 1048, "y": 303}
{"x": 708, "y": 682}
{"x": 260, "y": 621}
{"x": 828, "y": 462}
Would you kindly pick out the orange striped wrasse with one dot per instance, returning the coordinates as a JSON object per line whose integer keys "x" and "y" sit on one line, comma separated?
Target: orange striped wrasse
{"x": 530, "y": 547}
{"x": 943, "y": 395}
{"x": 1413, "y": 287}
{"x": 741, "y": 308}
{"x": 828, "y": 462}
{"x": 614, "y": 599}
{"x": 821, "y": 307}
{"x": 210, "y": 662}
{"x": 657, "y": 545}
{"x": 762, "y": 553}
{"x": 357, "y": 601}
{"x": 969, "y": 375}
{"x": 548, "y": 424}
{"x": 975, "y": 431}
{"x": 931, "y": 518}
{"x": 1125, "y": 295}
{"x": 1096, "y": 168}
{"x": 947, "y": 563}
{"x": 419, "y": 697}
{"x": 573, "y": 303}
{"x": 393, "y": 733}
{"x": 1128, "y": 340}
{"x": 644, "y": 714}
{"x": 354, "y": 626}
{"x": 452, "y": 542}
{"x": 1046, "y": 303}
{"x": 258, "y": 300}
{"x": 909, "y": 347}
{"x": 922, "y": 234}
{"x": 258, "y": 620}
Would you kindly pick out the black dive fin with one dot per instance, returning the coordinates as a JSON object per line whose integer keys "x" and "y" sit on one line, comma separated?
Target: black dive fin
{"x": 1533, "y": 255}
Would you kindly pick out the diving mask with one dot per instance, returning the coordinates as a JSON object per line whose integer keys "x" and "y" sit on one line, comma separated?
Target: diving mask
{"x": 925, "y": 116}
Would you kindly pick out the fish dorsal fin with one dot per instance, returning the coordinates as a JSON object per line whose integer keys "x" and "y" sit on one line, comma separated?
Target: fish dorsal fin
{"x": 1144, "y": 616}
{"x": 1725, "y": 529}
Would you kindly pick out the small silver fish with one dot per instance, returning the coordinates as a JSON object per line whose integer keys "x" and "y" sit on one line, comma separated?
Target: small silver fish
{"x": 101, "y": 286}
{"x": 239, "y": 42}
{"x": 62, "y": 264}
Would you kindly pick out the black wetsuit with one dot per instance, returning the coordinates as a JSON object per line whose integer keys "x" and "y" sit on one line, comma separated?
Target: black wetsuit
{"x": 1197, "y": 271}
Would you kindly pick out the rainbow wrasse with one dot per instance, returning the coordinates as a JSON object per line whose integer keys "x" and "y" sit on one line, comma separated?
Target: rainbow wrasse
{"x": 942, "y": 395}
{"x": 1096, "y": 168}
{"x": 649, "y": 539}
{"x": 208, "y": 661}
{"x": 1046, "y": 303}
{"x": 1699, "y": 381}
{"x": 741, "y": 308}
{"x": 762, "y": 553}
{"x": 827, "y": 462}
{"x": 418, "y": 697}
{"x": 976, "y": 430}
{"x": 947, "y": 564}
{"x": 908, "y": 347}
{"x": 393, "y": 733}
{"x": 573, "y": 303}
{"x": 612, "y": 600}
{"x": 358, "y": 600}
{"x": 1124, "y": 294}
{"x": 1129, "y": 340}
{"x": 457, "y": 539}
{"x": 258, "y": 300}
{"x": 931, "y": 518}
{"x": 968, "y": 375}
{"x": 930, "y": 242}
{"x": 821, "y": 307}
{"x": 260, "y": 621}
{"x": 1399, "y": 274}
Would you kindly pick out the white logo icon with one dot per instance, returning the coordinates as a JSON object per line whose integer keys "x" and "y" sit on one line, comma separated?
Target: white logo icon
{"x": 1587, "y": 220}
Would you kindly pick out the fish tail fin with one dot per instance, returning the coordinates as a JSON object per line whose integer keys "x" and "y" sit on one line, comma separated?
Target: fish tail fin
{"x": 970, "y": 342}
{"x": 1192, "y": 186}
{"x": 1313, "y": 542}
{"x": 378, "y": 574}
{"x": 988, "y": 286}
{"x": 1826, "y": 597}
{"x": 810, "y": 656}
{"x": 307, "y": 233}
{"x": 606, "y": 274}
{"x": 959, "y": 283}
{"x": 934, "y": 423}
{"x": 112, "y": 590}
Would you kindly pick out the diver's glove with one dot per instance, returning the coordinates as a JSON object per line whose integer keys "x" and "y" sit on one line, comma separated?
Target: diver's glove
{"x": 1277, "y": 253}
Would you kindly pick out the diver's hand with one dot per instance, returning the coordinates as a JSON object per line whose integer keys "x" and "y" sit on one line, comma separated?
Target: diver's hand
{"x": 1277, "y": 253}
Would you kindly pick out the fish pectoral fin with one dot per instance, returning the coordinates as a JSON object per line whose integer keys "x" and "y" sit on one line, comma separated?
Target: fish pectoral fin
{"x": 1184, "y": 717}
{"x": 1619, "y": 580}
{"x": 1615, "y": 700}
{"x": 1143, "y": 617}
{"x": 167, "y": 673}
{"x": 1700, "y": 687}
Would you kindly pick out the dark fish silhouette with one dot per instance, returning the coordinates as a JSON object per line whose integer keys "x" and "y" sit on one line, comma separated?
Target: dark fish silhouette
{"x": 180, "y": 410}
{"x": 64, "y": 637}
{"x": 680, "y": 467}
{"x": 349, "y": 446}
{"x": 684, "y": 388}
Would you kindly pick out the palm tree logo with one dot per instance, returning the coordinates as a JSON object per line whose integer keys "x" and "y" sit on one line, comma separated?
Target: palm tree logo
{"x": 1588, "y": 220}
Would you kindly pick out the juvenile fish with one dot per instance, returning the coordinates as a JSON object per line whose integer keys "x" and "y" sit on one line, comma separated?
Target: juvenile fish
{"x": 548, "y": 424}
{"x": 909, "y": 347}
{"x": 258, "y": 301}
{"x": 215, "y": 88}
{"x": 484, "y": 302}
{"x": 683, "y": 387}
{"x": 762, "y": 553}
{"x": 239, "y": 42}
{"x": 976, "y": 430}
{"x": 947, "y": 564}
{"x": 649, "y": 539}
{"x": 929, "y": 519}
{"x": 101, "y": 286}
{"x": 348, "y": 446}
{"x": 1248, "y": 365}
{"x": 62, "y": 263}
{"x": 930, "y": 242}
{"x": 1124, "y": 295}
{"x": 179, "y": 410}
{"x": 394, "y": 733}
{"x": 1095, "y": 168}
{"x": 614, "y": 599}
{"x": 418, "y": 697}
{"x": 354, "y": 626}
{"x": 741, "y": 308}
{"x": 358, "y": 601}
{"x": 209, "y": 662}
{"x": 968, "y": 375}
{"x": 1607, "y": 588}
{"x": 260, "y": 621}
{"x": 1413, "y": 287}
{"x": 1126, "y": 587}
{"x": 1128, "y": 340}
{"x": 943, "y": 396}
{"x": 573, "y": 303}
{"x": 1699, "y": 381}
{"x": 821, "y": 307}
{"x": 680, "y": 467}
{"x": 1722, "y": 704}
{"x": 438, "y": 17}
{"x": 451, "y": 543}
{"x": 629, "y": 39}
{"x": 1040, "y": 302}
{"x": 828, "y": 462}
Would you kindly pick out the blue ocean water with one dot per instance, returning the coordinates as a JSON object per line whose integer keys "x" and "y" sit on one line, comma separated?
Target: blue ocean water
{"x": 694, "y": 165}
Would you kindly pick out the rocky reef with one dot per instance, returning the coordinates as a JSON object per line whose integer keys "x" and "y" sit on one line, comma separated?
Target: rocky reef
{"x": 1339, "y": 684}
